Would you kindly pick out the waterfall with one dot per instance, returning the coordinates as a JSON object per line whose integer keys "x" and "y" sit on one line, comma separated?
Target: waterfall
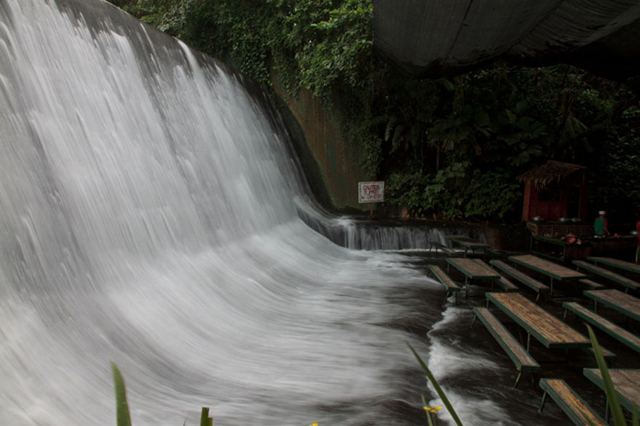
{"x": 148, "y": 217}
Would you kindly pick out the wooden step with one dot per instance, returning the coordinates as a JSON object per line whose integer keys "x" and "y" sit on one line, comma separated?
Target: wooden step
{"x": 570, "y": 402}
{"x": 618, "y": 333}
{"x": 517, "y": 353}
{"x": 607, "y": 274}
{"x": 507, "y": 285}
{"x": 521, "y": 277}
{"x": 444, "y": 279}
{"x": 591, "y": 284}
{"x": 624, "y": 303}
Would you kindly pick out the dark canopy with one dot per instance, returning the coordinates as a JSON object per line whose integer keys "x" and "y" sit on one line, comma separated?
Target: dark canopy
{"x": 436, "y": 37}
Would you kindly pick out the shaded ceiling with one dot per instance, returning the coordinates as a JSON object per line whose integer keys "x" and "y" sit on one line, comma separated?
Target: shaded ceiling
{"x": 440, "y": 37}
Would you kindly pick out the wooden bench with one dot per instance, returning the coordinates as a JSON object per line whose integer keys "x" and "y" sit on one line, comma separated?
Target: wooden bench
{"x": 618, "y": 264}
{"x": 506, "y": 285}
{"x": 608, "y": 275}
{"x": 624, "y": 303}
{"x": 618, "y": 333}
{"x": 445, "y": 280}
{"x": 570, "y": 402}
{"x": 521, "y": 277}
{"x": 626, "y": 381}
{"x": 591, "y": 284}
{"x": 517, "y": 353}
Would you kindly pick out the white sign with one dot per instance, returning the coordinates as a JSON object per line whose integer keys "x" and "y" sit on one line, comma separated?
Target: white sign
{"x": 370, "y": 192}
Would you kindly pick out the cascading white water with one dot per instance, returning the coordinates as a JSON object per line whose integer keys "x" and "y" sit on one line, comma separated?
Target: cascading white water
{"x": 147, "y": 217}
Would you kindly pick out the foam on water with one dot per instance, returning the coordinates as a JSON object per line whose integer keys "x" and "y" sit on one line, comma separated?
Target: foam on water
{"x": 452, "y": 358}
{"x": 148, "y": 217}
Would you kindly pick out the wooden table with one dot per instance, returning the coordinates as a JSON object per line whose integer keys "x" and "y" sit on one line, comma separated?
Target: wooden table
{"x": 547, "y": 329}
{"x": 473, "y": 269}
{"x": 616, "y": 264}
{"x": 552, "y": 270}
{"x": 468, "y": 244}
{"x": 615, "y": 299}
{"x": 626, "y": 382}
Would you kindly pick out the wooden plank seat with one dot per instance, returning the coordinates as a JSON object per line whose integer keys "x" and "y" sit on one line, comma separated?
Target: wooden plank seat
{"x": 618, "y": 264}
{"x": 570, "y": 403}
{"x": 517, "y": 353}
{"x": 521, "y": 277}
{"x": 618, "y": 301}
{"x": 592, "y": 285}
{"x": 620, "y": 334}
{"x": 444, "y": 279}
{"x": 502, "y": 282}
{"x": 506, "y": 285}
{"x": 608, "y": 275}
{"x": 550, "y": 331}
{"x": 606, "y": 353}
{"x": 626, "y": 381}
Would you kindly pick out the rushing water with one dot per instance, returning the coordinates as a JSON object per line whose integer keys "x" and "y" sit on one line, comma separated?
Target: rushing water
{"x": 148, "y": 217}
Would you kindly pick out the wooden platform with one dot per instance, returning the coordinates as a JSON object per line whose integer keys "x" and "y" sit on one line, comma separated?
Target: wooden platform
{"x": 546, "y": 328}
{"x": 468, "y": 244}
{"x": 626, "y": 382}
{"x": 616, "y": 264}
{"x": 474, "y": 269}
{"x": 550, "y": 269}
{"x": 521, "y": 277}
{"x": 608, "y": 275}
{"x": 507, "y": 285}
{"x": 570, "y": 403}
{"x": 444, "y": 279}
{"x": 613, "y": 330}
{"x": 592, "y": 284}
{"x": 517, "y": 353}
{"x": 622, "y": 302}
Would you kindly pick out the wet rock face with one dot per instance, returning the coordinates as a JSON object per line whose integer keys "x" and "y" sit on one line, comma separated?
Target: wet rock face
{"x": 440, "y": 37}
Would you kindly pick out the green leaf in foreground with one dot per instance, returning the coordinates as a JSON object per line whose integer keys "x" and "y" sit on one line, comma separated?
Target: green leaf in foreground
{"x": 437, "y": 387}
{"x": 205, "y": 420}
{"x": 612, "y": 395}
{"x": 123, "y": 418}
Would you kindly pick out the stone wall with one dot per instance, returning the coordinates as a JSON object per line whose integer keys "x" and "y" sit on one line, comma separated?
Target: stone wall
{"x": 327, "y": 150}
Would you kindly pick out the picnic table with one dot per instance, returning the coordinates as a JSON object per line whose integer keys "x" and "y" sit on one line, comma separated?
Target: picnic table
{"x": 616, "y": 264}
{"x": 468, "y": 244}
{"x": 615, "y": 299}
{"x": 626, "y": 382}
{"x": 552, "y": 270}
{"x": 546, "y": 328}
{"x": 473, "y": 269}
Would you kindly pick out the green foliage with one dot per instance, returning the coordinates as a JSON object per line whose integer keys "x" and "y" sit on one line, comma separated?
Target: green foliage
{"x": 454, "y": 148}
{"x": 437, "y": 387}
{"x": 451, "y": 147}
{"x": 311, "y": 44}
{"x": 612, "y": 395}
{"x": 205, "y": 420}
{"x": 123, "y": 418}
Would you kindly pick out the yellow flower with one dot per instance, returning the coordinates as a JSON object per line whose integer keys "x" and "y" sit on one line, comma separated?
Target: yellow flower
{"x": 432, "y": 409}
{"x": 314, "y": 424}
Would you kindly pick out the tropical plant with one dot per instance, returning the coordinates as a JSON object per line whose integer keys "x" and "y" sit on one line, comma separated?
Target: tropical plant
{"x": 612, "y": 395}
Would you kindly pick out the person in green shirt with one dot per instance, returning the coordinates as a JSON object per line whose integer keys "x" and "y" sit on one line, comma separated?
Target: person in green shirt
{"x": 601, "y": 225}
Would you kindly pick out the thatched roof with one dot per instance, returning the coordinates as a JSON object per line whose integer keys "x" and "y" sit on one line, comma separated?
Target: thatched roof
{"x": 551, "y": 171}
